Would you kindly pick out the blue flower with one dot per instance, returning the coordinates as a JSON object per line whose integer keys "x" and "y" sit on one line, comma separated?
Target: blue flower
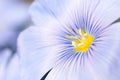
{"x": 75, "y": 39}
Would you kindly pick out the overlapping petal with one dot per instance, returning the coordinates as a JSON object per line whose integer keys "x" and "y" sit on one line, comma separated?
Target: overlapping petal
{"x": 12, "y": 71}
{"x": 45, "y": 47}
{"x": 32, "y": 65}
{"x": 99, "y": 10}
{"x": 43, "y": 10}
{"x": 41, "y": 57}
{"x": 99, "y": 62}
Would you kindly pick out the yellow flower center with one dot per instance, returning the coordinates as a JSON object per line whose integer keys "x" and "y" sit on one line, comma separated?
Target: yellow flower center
{"x": 82, "y": 41}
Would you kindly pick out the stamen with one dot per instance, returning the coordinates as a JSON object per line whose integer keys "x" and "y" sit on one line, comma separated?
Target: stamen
{"x": 82, "y": 41}
{"x": 71, "y": 30}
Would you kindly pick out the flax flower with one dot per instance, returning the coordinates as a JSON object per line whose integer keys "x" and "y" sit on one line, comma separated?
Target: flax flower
{"x": 75, "y": 39}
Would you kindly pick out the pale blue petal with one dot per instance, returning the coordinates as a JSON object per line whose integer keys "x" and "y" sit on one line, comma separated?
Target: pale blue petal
{"x": 99, "y": 11}
{"x": 44, "y": 10}
{"x": 9, "y": 71}
{"x": 13, "y": 69}
{"x": 104, "y": 53}
{"x": 70, "y": 70}
{"x": 39, "y": 52}
{"x": 4, "y": 55}
{"x": 36, "y": 59}
{"x": 101, "y": 63}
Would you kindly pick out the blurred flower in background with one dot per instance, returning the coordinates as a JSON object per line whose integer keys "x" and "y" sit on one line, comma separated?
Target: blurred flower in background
{"x": 75, "y": 39}
{"x": 14, "y": 18}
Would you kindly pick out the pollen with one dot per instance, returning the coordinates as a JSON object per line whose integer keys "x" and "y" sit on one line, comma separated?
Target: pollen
{"x": 82, "y": 41}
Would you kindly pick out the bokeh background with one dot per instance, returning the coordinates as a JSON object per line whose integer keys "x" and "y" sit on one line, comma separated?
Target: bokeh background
{"x": 14, "y": 18}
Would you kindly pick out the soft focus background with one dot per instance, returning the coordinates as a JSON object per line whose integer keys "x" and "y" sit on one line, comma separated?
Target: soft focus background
{"x": 14, "y": 18}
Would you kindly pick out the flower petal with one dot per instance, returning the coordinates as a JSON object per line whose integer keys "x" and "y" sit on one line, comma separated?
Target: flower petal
{"x": 13, "y": 69}
{"x": 101, "y": 11}
{"x": 4, "y": 55}
{"x": 36, "y": 59}
{"x": 70, "y": 70}
{"x": 47, "y": 10}
{"x": 104, "y": 54}
{"x": 38, "y": 46}
{"x": 103, "y": 60}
